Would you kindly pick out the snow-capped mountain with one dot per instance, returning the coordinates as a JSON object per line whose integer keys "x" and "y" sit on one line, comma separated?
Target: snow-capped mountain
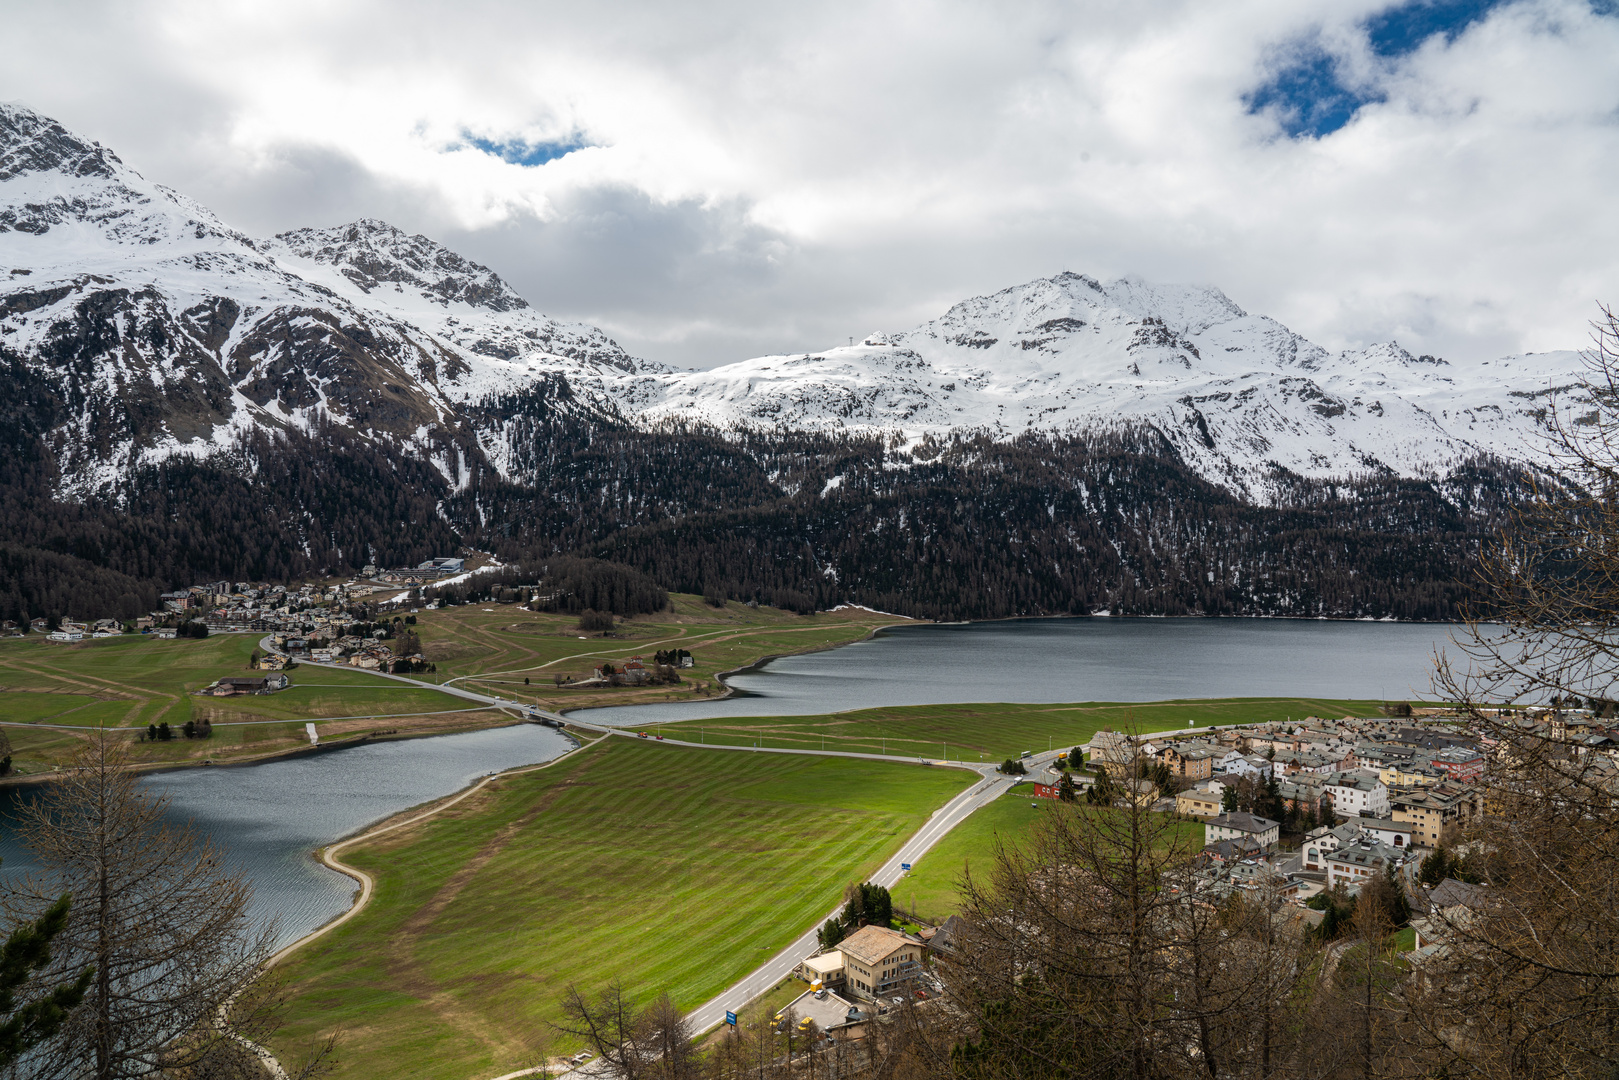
{"x": 154, "y": 329}
{"x": 1237, "y": 394}
{"x": 148, "y": 328}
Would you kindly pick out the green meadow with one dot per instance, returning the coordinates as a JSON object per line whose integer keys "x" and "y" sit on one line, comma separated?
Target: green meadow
{"x": 667, "y": 868}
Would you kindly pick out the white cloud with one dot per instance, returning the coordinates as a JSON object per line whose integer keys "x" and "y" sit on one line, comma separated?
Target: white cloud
{"x": 766, "y": 177}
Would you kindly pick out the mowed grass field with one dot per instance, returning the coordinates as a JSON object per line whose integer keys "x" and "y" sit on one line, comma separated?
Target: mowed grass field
{"x": 133, "y": 681}
{"x": 497, "y": 646}
{"x": 994, "y": 732}
{"x": 931, "y": 888}
{"x": 667, "y": 868}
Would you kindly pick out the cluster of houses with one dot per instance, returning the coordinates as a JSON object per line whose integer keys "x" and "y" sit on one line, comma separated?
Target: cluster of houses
{"x": 1384, "y": 792}
{"x": 67, "y": 629}
{"x": 248, "y": 607}
{"x": 636, "y": 672}
{"x": 372, "y": 652}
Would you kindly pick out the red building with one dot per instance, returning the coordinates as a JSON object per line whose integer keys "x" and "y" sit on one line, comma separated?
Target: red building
{"x": 1461, "y": 764}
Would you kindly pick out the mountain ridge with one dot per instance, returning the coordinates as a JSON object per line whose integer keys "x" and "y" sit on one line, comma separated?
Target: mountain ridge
{"x": 396, "y": 336}
{"x": 189, "y": 403}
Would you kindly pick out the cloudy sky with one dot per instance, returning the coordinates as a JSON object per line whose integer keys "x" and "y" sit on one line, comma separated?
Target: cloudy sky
{"x": 715, "y": 180}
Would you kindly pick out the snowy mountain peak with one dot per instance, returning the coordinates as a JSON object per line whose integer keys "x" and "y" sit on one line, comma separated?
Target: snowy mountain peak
{"x": 1238, "y": 395}
{"x": 31, "y": 143}
{"x": 373, "y": 253}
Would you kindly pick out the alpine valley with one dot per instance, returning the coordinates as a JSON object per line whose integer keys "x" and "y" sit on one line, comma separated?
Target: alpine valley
{"x": 184, "y": 402}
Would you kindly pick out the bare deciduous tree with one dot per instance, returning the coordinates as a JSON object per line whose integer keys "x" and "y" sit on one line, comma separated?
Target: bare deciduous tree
{"x": 1526, "y": 978}
{"x": 1543, "y": 623}
{"x": 155, "y": 912}
{"x": 633, "y": 1043}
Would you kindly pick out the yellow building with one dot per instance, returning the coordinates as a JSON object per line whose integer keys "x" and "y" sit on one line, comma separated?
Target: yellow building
{"x": 1195, "y": 803}
{"x": 1430, "y": 812}
{"x": 1406, "y": 776}
{"x": 1192, "y": 762}
{"x": 879, "y": 962}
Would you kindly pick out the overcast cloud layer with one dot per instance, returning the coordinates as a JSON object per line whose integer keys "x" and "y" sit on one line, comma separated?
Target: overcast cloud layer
{"x": 711, "y": 181}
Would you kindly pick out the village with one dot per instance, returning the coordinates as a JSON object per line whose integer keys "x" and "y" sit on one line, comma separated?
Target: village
{"x": 325, "y": 623}
{"x": 1292, "y": 814}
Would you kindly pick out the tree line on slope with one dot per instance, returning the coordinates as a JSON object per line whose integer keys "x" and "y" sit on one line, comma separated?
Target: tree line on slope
{"x": 980, "y": 528}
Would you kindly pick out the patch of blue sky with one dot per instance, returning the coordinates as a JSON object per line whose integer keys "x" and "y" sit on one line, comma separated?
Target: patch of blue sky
{"x": 529, "y": 154}
{"x": 1308, "y": 94}
{"x": 1403, "y": 29}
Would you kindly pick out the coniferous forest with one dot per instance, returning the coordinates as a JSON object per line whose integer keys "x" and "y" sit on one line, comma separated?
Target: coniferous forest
{"x": 971, "y": 527}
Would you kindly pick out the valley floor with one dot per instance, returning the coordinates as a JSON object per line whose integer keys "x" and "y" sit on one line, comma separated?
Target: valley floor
{"x": 50, "y": 692}
{"x": 664, "y": 867}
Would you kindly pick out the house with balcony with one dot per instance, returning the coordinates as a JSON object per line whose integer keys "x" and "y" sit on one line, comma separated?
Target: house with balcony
{"x": 879, "y": 962}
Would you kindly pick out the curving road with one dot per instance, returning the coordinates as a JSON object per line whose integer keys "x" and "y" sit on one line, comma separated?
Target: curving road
{"x": 989, "y": 786}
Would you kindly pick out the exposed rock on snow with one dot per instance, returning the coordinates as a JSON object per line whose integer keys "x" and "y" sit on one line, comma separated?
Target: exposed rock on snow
{"x": 158, "y": 330}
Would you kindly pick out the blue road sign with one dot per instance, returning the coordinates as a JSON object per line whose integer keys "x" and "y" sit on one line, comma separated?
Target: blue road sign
{"x": 904, "y": 866}
{"x": 730, "y": 1018}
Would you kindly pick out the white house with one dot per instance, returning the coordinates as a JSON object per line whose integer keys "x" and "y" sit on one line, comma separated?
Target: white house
{"x": 1235, "y": 763}
{"x": 1352, "y": 866}
{"x": 1237, "y": 825}
{"x": 1395, "y": 834}
{"x": 1357, "y": 794}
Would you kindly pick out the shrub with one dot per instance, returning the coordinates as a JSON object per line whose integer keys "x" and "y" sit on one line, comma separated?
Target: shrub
{"x": 596, "y": 622}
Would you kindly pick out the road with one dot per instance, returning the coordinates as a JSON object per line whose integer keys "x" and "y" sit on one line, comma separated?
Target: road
{"x": 989, "y": 786}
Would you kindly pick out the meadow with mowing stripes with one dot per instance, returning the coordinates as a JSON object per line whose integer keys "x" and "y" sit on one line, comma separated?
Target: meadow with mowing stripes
{"x": 994, "y": 732}
{"x": 931, "y": 890}
{"x": 668, "y": 868}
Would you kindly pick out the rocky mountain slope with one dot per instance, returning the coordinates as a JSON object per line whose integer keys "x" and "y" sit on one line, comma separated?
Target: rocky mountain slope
{"x": 157, "y": 330}
{"x": 1237, "y": 395}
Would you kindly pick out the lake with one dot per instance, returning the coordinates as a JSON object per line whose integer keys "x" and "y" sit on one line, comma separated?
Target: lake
{"x": 1048, "y": 661}
{"x": 272, "y": 816}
